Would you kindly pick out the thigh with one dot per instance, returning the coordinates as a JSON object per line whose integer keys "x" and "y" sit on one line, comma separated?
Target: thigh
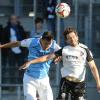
{"x": 78, "y": 91}
{"x": 45, "y": 91}
{"x": 63, "y": 90}
{"x": 29, "y": 88}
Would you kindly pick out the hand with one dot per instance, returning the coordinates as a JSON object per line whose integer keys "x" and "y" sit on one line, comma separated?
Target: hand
{"x": 56, "y": 60}
{"x": 0, "y": 46}
{"x": 24, "y": 66}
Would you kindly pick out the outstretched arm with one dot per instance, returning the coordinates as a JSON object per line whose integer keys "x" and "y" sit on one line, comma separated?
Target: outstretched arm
{"x": 57, "y": 54}
{"x": 10, "y": 44}
{"x": 38, "y": 60}
{"x": 95, "y": 73}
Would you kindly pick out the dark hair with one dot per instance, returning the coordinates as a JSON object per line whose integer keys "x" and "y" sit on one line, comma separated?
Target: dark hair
{"x": 47, "y": 36}
{"x": 38, "y": 20}
{"x": 68, "y": 31}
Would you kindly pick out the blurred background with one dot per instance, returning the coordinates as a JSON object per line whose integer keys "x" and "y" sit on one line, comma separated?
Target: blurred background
{"x": 84, "y": 16}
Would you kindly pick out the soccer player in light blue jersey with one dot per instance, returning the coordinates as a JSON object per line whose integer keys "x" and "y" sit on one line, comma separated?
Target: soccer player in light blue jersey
{"x": 36, "y": 75}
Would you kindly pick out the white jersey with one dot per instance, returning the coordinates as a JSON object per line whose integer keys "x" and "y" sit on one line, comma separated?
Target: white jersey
{"x": 74, "y": 60}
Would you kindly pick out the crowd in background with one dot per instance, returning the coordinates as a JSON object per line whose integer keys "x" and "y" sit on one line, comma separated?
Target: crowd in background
{"x": 13, "y": 58}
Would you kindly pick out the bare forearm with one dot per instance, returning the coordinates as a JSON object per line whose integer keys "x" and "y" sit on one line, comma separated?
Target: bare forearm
{"x": 37, "y": 60}
{"x": 94, "y": 70}
{"x": 95, "y": 74}
{"x": 10, "y": 44}
{"x": 42, "y": 59}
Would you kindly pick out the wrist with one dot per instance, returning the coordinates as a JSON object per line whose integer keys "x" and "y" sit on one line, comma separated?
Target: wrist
{"x": 98, "y": 83}
{"x": 30, "y": 62}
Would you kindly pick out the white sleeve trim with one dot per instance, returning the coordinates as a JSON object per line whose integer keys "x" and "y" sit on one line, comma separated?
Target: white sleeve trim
{"x": 26, "y": 42}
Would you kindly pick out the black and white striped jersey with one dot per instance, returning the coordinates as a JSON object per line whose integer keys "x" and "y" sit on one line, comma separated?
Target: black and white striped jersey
{"x": 74, "y": 60}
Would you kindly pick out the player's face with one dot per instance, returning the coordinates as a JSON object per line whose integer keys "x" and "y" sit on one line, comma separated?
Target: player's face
{"x": 72, "y": 39}
{"x": 14, "y": 20}
{"x": 46, "y": 44}
{"x": 39, "y": 25}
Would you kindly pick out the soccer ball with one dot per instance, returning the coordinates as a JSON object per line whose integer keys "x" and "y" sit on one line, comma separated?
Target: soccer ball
{"x": 62, "y": 10}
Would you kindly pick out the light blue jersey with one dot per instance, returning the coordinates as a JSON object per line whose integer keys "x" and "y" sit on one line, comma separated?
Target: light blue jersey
{"x": 38, "y": 70}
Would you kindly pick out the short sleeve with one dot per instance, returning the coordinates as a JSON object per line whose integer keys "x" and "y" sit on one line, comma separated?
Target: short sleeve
{"x": 57, "y": 47}
{"x": 89, "y": 55}
{"x": 26, "y": 42}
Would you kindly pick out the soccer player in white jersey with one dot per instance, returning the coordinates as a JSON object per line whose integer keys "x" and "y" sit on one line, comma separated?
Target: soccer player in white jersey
{"x": 74, "y": 56}
{"x": 36, "y": 75}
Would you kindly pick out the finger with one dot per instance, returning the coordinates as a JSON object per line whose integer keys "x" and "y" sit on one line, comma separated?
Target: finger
{"x": 99, "y": 91}
{"x": 22, "y": 67}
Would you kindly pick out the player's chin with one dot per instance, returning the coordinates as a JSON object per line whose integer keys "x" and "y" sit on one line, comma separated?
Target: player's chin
{"x": 72, "y": 44}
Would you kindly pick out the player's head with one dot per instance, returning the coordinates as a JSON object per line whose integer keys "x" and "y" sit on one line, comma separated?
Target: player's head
{"x": 71, "y": 36}
{"x": 38, "y": 22}
{"x": 13, "y": 20}
{"x": 46, "y": 39}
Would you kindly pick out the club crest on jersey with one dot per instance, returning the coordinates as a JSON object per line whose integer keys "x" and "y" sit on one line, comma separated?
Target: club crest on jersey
{"x": 81, "y": 53}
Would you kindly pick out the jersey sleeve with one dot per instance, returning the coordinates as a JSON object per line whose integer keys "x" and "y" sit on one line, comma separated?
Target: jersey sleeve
{"x": 89, "y": 55}
{"x": 59, "y": 52}
{"x": 57, "y": 47}
{"x": 26, "y": 42}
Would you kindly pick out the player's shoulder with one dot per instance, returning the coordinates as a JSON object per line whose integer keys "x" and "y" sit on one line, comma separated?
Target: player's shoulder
{"x": 83, "y": 45}
{"x": 67, "y": 46}
{"x": 55, "y": 45}
{"x": 35, "y": 41}
{"x": 54, "y": 41}
{"x": 31, "y": 39}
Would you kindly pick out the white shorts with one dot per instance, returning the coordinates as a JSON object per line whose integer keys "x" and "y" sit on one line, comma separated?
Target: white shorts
{"x": 42, "y": 86}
